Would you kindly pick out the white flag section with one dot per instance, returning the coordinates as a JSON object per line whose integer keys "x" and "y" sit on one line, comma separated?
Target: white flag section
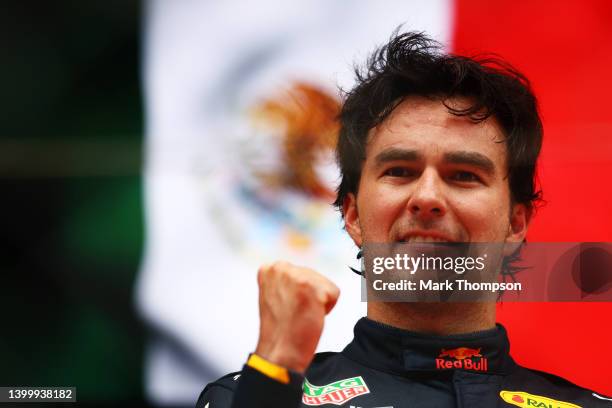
{"x": 218, "y": 203}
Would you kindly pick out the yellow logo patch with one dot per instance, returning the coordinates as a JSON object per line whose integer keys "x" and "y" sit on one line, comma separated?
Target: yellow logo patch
{"x": 523, "y": 399}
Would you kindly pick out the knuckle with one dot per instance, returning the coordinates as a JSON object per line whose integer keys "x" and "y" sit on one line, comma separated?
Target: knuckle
{"x": 280, "y": 266}
{"x": 303, "y": 284}
{"x": 305, "y": 292}
{"x": 301, "y": 294}
{"x": 305, "y": 297}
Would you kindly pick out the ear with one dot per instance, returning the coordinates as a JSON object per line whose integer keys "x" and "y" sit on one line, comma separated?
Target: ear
{"x": 519, "y": 223}
{"x": 351, "y": 218}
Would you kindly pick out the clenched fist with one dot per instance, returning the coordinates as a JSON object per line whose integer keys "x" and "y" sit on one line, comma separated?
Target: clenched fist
{"x": 293, "y": 302}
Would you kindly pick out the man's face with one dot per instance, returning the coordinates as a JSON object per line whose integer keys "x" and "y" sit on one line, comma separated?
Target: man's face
{"x": 430, "y": 175}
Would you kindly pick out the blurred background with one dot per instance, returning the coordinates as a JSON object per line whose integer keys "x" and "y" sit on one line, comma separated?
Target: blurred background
{"x": 154, "y": 153}
{"x": 72, "y": 223}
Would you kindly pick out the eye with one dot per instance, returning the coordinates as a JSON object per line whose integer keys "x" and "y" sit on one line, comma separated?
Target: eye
{"x": 465, "y": 177}
{"x": 399, "y": 172}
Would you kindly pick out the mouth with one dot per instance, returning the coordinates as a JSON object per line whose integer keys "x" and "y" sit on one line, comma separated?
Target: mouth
{"x": 424, "y": 237}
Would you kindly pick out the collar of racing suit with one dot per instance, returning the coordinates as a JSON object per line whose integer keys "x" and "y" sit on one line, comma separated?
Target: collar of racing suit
{"x": 400, "y": 351}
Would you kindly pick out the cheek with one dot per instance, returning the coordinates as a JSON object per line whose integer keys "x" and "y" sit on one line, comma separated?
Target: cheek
{"x": 483, "y": 216}
{"x": 378, "y": 209}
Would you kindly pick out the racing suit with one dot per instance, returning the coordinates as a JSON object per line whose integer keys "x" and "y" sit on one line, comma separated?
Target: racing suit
{"x": 386, "y": 367}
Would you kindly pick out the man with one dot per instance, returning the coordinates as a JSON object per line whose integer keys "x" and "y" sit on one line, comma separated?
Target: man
{"x": 432, "y": 148}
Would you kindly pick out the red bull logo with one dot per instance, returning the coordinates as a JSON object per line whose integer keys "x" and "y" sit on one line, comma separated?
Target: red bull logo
{"x": 461, "y": 358}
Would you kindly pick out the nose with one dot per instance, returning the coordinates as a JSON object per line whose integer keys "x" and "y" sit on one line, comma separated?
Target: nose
{"x": 427, "y": 199}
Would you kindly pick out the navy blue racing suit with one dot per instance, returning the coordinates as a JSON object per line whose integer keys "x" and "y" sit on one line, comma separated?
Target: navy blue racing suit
{"x": 386, "y": 367}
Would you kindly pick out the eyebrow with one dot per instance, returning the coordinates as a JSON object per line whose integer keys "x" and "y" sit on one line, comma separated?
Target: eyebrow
{"x": 395, "y": 154}
{"x": 472, "y": 159}
{"x": 459, "y": 157}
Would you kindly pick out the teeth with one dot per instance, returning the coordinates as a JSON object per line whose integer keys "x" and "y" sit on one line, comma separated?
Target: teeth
{"x": 423, "y": 239}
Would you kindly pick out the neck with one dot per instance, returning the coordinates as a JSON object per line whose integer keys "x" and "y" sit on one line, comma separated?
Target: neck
{"x": 434, "y": 318}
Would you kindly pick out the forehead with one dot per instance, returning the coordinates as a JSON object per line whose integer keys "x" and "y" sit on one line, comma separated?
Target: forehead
{"x": 426, "y": 125}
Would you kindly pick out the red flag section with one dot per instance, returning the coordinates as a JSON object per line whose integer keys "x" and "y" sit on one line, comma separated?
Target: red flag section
{"x": 565, "y": 49}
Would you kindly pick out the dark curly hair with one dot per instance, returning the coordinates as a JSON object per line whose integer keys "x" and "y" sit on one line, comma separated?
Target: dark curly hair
{"x": 411, "y": 64}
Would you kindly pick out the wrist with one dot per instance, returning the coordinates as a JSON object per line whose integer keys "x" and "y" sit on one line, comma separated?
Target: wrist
{"x": 287, "y": 358}
{"x": 268, "y": 368}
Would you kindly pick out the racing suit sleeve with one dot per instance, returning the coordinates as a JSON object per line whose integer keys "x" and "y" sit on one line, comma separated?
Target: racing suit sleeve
{"x": 253, "y": 390}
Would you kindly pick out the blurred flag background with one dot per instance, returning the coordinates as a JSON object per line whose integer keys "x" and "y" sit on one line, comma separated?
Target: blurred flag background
{"x": 136, "y": 215}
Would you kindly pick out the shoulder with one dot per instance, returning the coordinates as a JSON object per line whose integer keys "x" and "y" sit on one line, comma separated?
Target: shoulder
{"x": 220, "y": 391}
{"x": 228, "y": 381}
{"x": 547, "y": 385}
